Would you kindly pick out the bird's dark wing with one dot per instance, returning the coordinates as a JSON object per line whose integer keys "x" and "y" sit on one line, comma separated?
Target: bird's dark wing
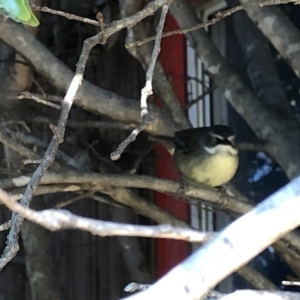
{"x": 189, "y": 140}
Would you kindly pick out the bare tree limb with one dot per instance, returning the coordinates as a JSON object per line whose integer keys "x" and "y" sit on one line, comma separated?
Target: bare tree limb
{"x": 237, "y": 295}
{"x": 120, "y": 195}
{"x": 134, "y": 286}
{"x": 11, "y": 143}
{"x": 55, "y": 220}
{"x": 58, "y": 136}
{"x": 261, "y": 67}
{"x": 87, "y": 124}
{"x": 90, "y": 97}
{"x": 233, "y": 247}
{"x": 18, "y": 193}
{"x": 5, "y": 225}
{"x": 65, "y": 15}
{"x": 271, "y": 127}
{"x": 251, "y": 147}
{"x": 143, "y": 207}
{"x": 105, "y": 182}
{"x": 31, "y": 140}
{"x": 218, "y": 17}
{"x": 102, "y": 181}
{"x": 261, "y": 295}
{"x": 256, "y": 279}
{"x": 74, "y": 199}
{"x": 286, "y": 282}
{"x": 49, "y": 156}
{"x": 128, "y": 198}
{"x": 147, "y": 89}
{"x": 62, "y": 219}
{"x": 132, "y": 251}
{"x": 161, "y": 83}
{"x": 268, "y": 121}
{"x": 27, "y": 95}
{"x": 280, "y": 31}
{"x": 39, "y": 260}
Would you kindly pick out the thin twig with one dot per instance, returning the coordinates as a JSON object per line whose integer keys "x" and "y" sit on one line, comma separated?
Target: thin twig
{"x": 259, "y": 295}
{"x": 218, "y": 17}
{"x": 252, "y": 147}
{"x": 99, "y": 17}
{"x": 258, "y": 147}
{"x": 18, "y": 192}
{"x": 27, "y": 95}
{"x": 85, "y": 124}
{"x": 199, "y": 98}
{"x": 146, "y": 91}
{"x": 58, "y": 136}
{"x": 11, "y": 143}
{"x": 140, "y": 159}
{"x": 63, "y": 14}
{"x": 62, "y": 219}
{"x": 39, "y": 87}
{"x": 232, "y": 248}
{"x": 5, "y": 225}
{"x": 58, "y": 132}
{"x": 99, "y": 181}
{"x": 286, "y": 282}
{"x": 134, "y": 286}
{"x": 74, "y": 199}
{"x": 29, "y": 139}
{"x": 31, "y": 161}
{"x": 48, "y": 97}
{"x": 108, "y": 201}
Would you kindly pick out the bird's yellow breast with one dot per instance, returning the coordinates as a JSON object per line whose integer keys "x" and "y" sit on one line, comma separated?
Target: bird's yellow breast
{"x": 215, "y": 170}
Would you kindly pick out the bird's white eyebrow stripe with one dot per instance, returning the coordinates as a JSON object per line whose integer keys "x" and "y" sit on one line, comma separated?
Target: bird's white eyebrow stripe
{"x": 216, "y": 136}
{"x": 230, "y": 138}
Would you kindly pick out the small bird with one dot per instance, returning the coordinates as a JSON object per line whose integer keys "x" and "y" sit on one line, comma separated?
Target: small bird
{"x": 19, "y": 11}
{"x": 206, "y": 155}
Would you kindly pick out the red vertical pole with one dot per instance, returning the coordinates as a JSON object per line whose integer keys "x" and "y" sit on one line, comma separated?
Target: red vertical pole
{"x": 168, "y": 253}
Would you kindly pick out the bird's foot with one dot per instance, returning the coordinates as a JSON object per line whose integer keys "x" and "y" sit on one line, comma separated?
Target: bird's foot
{"x": 183, "y": 186}
{"x": 224, "y": 194}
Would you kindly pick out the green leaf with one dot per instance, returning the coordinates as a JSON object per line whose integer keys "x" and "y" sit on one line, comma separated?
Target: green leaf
{"x": 19, "y": 11}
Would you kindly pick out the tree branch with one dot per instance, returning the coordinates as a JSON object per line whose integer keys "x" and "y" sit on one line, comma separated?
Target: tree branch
{"x": 62, "y": 219}
{"x": 161, "y": 83}
{"x": 218, "y": 17}
{"x": 89, "y": 97}
{"x": 107, "y": 183}
{"x": 11, "y": 143}
{"x": 268, "y": 121}
{"x": 58, "y": 131}
{"x": 102, "y": 181}
{"x": 147, "y": 89}
{"x": 259, "y": 295}
{"x": 232, "y": 248}
{"x": 64, "y": 14}
{"x": 280, "y": 31}
{"x": 55, "y": 220}
{"x": 5, "y": 226}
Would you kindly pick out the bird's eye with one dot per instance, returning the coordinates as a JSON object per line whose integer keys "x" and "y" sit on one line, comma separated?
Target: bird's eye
{"x": 185, "y": 151}
{"x": 214, "y": 140}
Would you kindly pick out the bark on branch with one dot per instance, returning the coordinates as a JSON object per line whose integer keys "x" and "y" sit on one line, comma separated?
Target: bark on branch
{"x": 62, "y": 219}
{"x": 231, "y": 249}
{"x": 272, "y": 128}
